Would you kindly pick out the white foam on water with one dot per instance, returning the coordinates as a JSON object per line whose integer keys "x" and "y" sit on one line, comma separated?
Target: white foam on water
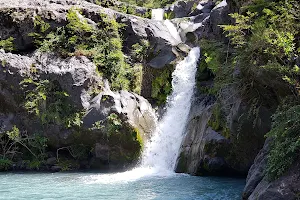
{"x": 128, "y": 176}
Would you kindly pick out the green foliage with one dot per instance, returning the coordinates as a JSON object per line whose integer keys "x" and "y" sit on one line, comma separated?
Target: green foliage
{"x": 217, "y": 121}
{"x": 8, "y": 142}
{"x": 5, "y": 164}
{"x": 16, "y": 145}
{"x": 8, "y": 44}
{"x": 50, "y": 103}
{"x": 265, "y": 38}
{"x": 42, "y": 29}
{"x": 135, "y": 78}
{"x": 68, "y": 164}
{"x": 33, "y": 164}
{"x": 162, "y": 85}
{"x": 213, "y": 64}
{"x": 169, "y": 15}
{"x": 149, "y": 3}
{"x": 114, "y": 124}
{"x": 101, "y": 43}
{"x": 239, "y": 30}
{"x": 140, "y": 50}
{"x": 285, "y": 143}
{"x": 111, "y": 125}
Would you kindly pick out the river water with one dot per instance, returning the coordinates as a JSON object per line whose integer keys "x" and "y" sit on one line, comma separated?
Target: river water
{"x": 94, "y": 186}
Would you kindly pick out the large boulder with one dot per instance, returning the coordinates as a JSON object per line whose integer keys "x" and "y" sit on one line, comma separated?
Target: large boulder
{"x": 88, "y": 93}
{"x": 130, "y": 106}
{"x": 181, "y": 9}
{"x": 75, "y": 75}
{"x": 259, "y": 187}
{"x": 199, "y": 136}
{"x": 257, "y": 171}
{"x": 228, "y": 150}
{"x": 17, "y": 20}
{"x": 219, "y": 16}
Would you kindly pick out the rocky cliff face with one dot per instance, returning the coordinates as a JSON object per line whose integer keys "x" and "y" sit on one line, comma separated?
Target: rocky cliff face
{"x": 240, "y": 147}
{"x": 78, "y": 78}
{"x": 207, "y": 150}
{"x": 84, "y": 114}
{"x": 259, "y": 186}
{"x": 230, "y": 151}
{"x": 111, "y": 125}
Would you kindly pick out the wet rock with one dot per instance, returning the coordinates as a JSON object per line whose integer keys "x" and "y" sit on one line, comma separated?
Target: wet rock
{"x": 203, "y": 7}
{"x": 102, "y": 152}
{"x": 192, "y": 153}
{"x": 164, "y": 57}
{"x": 55, "y": 168}
{"x": 51, "y": 161}
{"x": 215, "y": 152}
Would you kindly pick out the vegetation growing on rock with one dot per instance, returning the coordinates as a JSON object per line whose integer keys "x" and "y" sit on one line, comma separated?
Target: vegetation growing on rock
{"x": 162, "y": 85}
{"x": 16, "y": 145}
{"x": 100, "y": 42}
{"x": 47, "y": 101}
{"x": 150, "y": 3}
{"x": 261, "y": 62}
{"x": 7, "y": 44}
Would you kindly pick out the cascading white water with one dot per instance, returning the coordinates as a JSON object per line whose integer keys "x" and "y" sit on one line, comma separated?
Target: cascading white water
{"x": 157, "y": 14}
{"x": 159, "y": 157}
{"x": 163, "y": 149}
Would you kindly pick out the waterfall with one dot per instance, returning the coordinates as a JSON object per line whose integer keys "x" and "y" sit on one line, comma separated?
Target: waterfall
{"x": 159, "y": 157}
{"x": 162, "y": 151}
{"x": 157, "y": 14}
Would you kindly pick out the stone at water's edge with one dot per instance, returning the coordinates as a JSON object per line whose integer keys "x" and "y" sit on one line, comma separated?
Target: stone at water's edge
{"x": 258, "y": 187}
{"x": 207, "y": 152}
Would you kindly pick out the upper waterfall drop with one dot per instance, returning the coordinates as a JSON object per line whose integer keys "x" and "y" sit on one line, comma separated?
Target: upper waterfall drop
{"x": 157, "y": 14}
{"x": 162, "y": 151}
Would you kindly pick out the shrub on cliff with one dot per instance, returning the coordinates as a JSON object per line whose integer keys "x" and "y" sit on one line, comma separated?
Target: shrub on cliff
{"x": 150, "y": 3}
{"x": 7, "y": 44}
{"x": 100, "y": 42}
{"x": 285, "y": 133}
{"x": 47, "y": 101}
{"x": 16, "y": 145}
{"x": 266, "y": 44}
